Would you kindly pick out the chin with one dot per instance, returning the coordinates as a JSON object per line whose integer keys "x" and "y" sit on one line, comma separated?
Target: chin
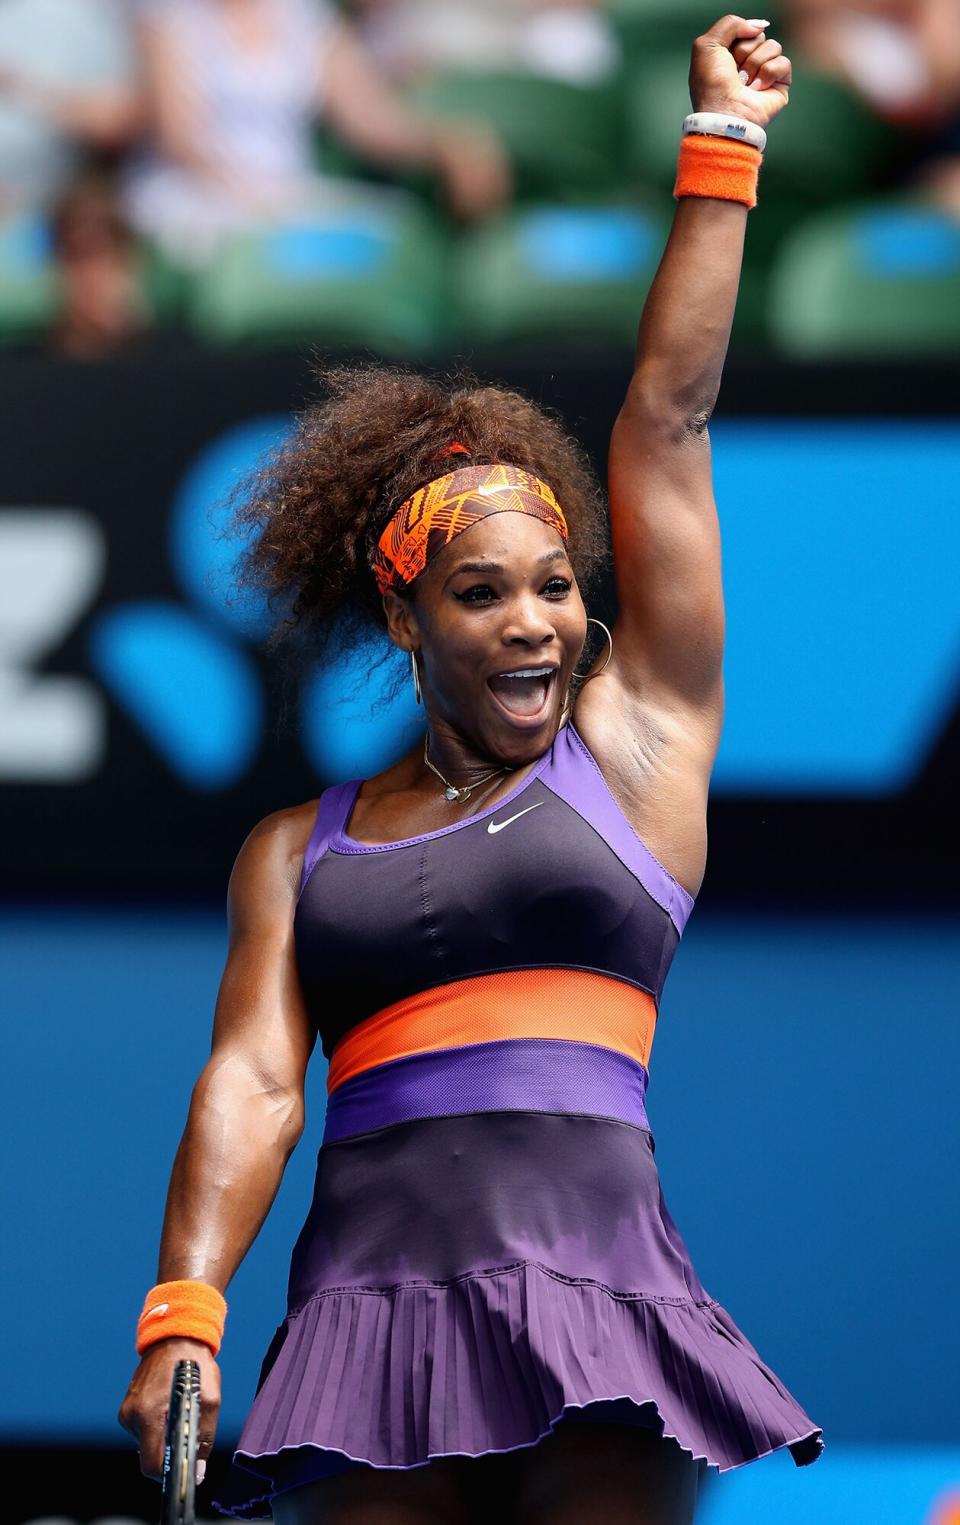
{"x": 522, "y": 739}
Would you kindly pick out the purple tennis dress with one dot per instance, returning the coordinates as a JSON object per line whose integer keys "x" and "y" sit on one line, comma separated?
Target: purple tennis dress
{"x": 488, "y": 1249}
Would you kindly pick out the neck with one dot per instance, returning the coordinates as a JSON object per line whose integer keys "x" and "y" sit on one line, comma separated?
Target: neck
{"x": 459, "y": 764}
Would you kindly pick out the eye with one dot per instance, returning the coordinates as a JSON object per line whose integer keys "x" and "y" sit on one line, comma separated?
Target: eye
{"x": 557, "y": 587}
{"x": 467, "y": 597}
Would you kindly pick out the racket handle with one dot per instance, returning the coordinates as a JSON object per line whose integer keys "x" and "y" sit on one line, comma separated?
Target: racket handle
{"x": 186, "y": 1375}
{"x": 179, "y": 1479}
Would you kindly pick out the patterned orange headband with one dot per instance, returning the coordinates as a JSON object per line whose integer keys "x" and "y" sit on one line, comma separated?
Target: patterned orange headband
{"x": 429, "y": 520}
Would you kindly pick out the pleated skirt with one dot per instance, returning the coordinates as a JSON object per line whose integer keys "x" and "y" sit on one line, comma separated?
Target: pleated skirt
{"x": 462, "y": 1283}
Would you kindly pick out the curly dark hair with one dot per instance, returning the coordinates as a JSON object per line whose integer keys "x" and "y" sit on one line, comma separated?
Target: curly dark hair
{"x": 314, "y": 511}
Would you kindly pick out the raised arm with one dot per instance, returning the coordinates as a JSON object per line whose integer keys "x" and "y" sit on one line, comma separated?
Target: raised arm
{"x": 246, "y": 1115}
{"x": 375, "y": 120}
{"x": 664, "y": 526}
{"x": 173, "y": 105}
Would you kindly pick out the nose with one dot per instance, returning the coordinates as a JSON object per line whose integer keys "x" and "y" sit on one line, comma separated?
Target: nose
{"x": 529, "y": 623}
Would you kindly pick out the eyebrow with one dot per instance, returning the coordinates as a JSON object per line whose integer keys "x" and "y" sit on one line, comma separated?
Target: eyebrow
{"x": 494, "y": 566}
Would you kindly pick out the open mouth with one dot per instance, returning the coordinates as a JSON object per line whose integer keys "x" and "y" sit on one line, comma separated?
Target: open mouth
{"x": 524, "y": 695}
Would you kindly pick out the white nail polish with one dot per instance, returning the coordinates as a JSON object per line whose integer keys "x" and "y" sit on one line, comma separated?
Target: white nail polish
{"x": 744, "y": 76}
{"x": 201, "y": 1469}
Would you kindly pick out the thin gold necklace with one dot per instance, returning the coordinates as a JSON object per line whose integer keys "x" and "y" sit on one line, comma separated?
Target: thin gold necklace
{"x": 451, "y": 792}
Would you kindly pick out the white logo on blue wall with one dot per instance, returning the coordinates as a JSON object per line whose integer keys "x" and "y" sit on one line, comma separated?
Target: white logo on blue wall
{"x": 53, "y": 726}
{"x": 183, "y": 671}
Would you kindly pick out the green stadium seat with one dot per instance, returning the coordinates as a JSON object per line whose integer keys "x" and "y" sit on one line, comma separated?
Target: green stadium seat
{"x": 826, "y": 145}
{"x": 648, "y": 27}
{"x": 880, "y": 278}
{"x": 544, "y": 271}
{"x": 563, "y": 139}
{"x": 165, "y": 286}
{"x": 28, "y": 282}
{"x": 657, "y": 100}
{"x": 371, "y": 270}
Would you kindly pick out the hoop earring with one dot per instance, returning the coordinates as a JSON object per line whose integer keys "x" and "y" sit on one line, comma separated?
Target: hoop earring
{"x": 416, "y": 676}
{"x": 587, "y": 676}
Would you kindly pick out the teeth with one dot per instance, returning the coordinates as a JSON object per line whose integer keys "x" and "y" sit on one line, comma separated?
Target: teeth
{"x": 527, "y": 672}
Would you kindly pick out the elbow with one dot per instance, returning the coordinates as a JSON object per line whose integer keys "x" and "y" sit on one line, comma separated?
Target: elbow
{"x": 680, "y": 412}
{"x": 246, "y": 1100}
{"x": 696, "y": 423}
{"x": 294, "y": 1125}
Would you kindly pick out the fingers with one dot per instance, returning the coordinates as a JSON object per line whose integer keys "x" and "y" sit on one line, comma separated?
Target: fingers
{"x": 208, "y": 1431}
{"x": 143, "y": 1411}
{"x": 756, "y": 50}
{"x": 753, "y": 61}
{"x": 729, "y": 28}
{"x": 778, "y": 71}
{"x": 151, "y": 1433}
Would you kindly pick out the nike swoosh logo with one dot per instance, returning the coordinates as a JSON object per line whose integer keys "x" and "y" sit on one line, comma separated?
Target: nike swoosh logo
{"x": 159, "y": 1308}
{"x": 499, "y": 825}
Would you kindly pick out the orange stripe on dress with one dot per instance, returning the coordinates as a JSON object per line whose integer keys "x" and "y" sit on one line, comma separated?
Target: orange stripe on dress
{"x": 516, "y": 1003}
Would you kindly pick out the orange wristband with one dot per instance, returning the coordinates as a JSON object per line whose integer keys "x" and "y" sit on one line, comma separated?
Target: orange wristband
{"x": 718, "y": 167}
{"x": 192, "y": 1310}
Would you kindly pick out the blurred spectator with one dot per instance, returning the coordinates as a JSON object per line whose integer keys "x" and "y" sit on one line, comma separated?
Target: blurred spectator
{"x": 233, "y": 89}
{"x": 66, "y": 71}
{"x": 572, "y": 41}
{"x": 903, "y": 58}
{"x": 101, "y": 308}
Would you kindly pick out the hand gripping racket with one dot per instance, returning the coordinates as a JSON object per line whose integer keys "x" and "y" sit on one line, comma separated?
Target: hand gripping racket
{"x": 178, "y": 1481}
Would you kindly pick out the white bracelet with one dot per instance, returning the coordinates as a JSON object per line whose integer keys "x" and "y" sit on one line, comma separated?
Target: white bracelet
{"x": 716, "y": 125}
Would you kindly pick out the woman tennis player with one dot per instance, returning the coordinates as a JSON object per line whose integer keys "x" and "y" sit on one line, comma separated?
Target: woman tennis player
{"x": 491, "y": 1313}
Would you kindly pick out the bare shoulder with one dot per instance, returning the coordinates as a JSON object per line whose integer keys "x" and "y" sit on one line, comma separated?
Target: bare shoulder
{"x": 268, "y": 865}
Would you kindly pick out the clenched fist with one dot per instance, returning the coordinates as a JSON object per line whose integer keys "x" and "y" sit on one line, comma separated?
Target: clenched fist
{"x": 144, "y": 1409}
{"x": 737, "y": 68}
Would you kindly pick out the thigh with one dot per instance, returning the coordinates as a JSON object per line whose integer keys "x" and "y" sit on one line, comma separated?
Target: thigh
{"x": 450, "y": 1490}
{"x": 621, "y": 1474}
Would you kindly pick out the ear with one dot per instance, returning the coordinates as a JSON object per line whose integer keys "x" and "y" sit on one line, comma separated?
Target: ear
{"x": 402, "y": 626}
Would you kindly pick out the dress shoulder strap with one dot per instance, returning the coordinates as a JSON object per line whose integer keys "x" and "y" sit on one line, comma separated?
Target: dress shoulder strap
{"x": 332, "y": 807}
{"x": 576, "y": 776}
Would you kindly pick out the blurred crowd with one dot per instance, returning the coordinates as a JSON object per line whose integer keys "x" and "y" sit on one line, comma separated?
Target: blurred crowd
{"x": 902, "y": 58}
{"x": 172, "y": 124}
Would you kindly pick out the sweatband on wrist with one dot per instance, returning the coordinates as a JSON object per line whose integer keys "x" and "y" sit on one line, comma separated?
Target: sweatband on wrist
{"x": 718, "y": 167}
{"x": 190, "y": 1310}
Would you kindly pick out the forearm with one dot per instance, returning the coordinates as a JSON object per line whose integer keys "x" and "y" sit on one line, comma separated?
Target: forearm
{"x": 686, "y": 320}
{"x": 393, "y": 137}
{"x": 369, "y": 113}
{"x": 226, "y": 1173}
{"x": 105, "y": 118}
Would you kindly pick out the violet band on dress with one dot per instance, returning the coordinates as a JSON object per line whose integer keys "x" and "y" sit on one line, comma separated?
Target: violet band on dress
{"x": 509, "y": 1075}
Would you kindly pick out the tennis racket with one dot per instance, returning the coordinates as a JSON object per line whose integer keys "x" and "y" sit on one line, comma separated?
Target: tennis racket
{"x": 178, "y": 1481}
